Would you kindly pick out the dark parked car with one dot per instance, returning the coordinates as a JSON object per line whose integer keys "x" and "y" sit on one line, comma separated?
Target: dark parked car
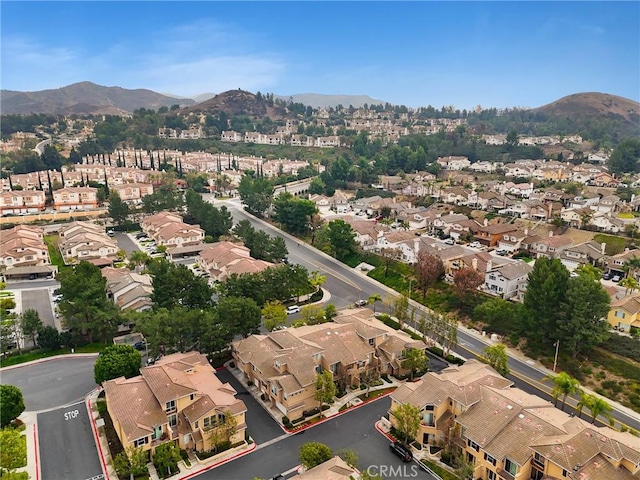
{"x": 403, "y": 452}
{"x": 139, "y": 346}
{"x": 606, "y": 276}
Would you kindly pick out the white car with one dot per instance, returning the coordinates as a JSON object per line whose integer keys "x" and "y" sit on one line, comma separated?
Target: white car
{"x": 450, "y": 241}
{"x": 293, "y": 309}
{"x": 474, "y": 244}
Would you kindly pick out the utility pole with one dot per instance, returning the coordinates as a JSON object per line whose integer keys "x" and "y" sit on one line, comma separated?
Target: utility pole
{"x": 555, "y": 359}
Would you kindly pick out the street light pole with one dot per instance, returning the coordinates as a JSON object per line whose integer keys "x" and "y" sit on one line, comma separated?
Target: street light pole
{"x": 555, "y": 359}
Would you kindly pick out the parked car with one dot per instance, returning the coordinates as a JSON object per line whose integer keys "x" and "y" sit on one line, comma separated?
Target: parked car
{"x": 475, "y": 245}
{"x": 139, "y": 346}
{"x": 616, "y": 278}
{"x": 403, "y": 452}
{"x": 501, "y": 252}
{"x": 361, "y": 303}
{"x": 606, "y": 276}
{"x": 291, "y": 309}
{"x": 450, "y": 241}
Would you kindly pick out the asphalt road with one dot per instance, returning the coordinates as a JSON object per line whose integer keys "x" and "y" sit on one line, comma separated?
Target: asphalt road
{"x": 39, "y": 300}
{"x": 262, "y": 427}
{"x": 346, "y": 286}
{"x": 54, "y": 383}
{"x": 67, "y": 446}
{"x": 125, "y": 243}
{"x": 353, "y": 430}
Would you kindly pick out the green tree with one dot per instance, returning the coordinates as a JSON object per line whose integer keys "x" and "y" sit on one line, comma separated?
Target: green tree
{"x": 119, "y": 211}
{"x": 49, "y": 338}
{"x": 590, "y": 271}
{"x": 131, "y": 462}
{"x": 630, "y": 284}
{"x": 275, "y": 315}
{"x": 166, "y": 458}
{"x": 625, "y": 156}
{"x": 563, "y": 385}
{"x": 585, "y": 401}
{"x": 84, "y": 305}
{"x": 325, "y": 389}
{"x": 542, "y": 307}
{"x": 466, "y": 281}
{"x": 312, "y": 314}
{"x": 215, "y": 222}
{"x": 30, "y": 323}
{"x": 583, "y": 323}
{"x": 373, "y": 299}
{"x": 313, "y": 454}
{"x": 415, "y": 360}
{"x": 501, "y": 316}
{"x": 341, "y": 238}
{"x": 12, "y": 404}
{"x": 13, "y": 452}
{"x": 330, "y": 312}
{"x": 117, "y": 361}
{"x": 222, "y": 430}
{"x": 512, "y": 138}
{"x": 496, "y": 356}
{"x": 293, "y": 213}
{"x": 256, "y": 194}
{"x": 599, "y": 406}
{"x": 349, "y": 456}
{"x": 400, "y": 308}
{"x": 138, "y": 258}
{"x": 242, "y": 315}
{"x": 176, "y": 285}
{"x": 407, "y": 421}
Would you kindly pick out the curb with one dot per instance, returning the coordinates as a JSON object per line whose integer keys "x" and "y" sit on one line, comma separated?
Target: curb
{"x": 48, "y": 359}
{"x": 96, "y": 436}
{"x": 221, "y": 462}
{"x": 386, "y": 435}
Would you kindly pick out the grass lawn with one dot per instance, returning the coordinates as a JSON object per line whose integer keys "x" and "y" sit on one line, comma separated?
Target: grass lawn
{"x": 625, "y": 215}
{"x": 54, "y": 252}
{"x": 614, "y": 244}
{"x": 375, "y": 394}
{"x": 9, "y": 360}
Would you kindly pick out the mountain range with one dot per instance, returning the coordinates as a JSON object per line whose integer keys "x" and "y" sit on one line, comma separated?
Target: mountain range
{"x": 88, "y": 98}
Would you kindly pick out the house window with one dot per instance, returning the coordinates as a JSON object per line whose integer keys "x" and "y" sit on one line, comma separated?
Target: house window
{"x": 140, "y": 442}
{"x": 192, "y": 396}
{"x": 619, "y": 314}
{"x": 206, "y": 422}
{"x": 511, "y": 467}
{"x": 491, "y": 475}
{"x": 490, "y": 459}
{"x": 173, "y": 420}
{"x": 170, "y": 406}
{"x": 473, "y": 445}
{"x": 538, "y": 460}
{"x": 564, "y": 473}
{"x": 372, "y": 341}
{"x": 195, "y": 424}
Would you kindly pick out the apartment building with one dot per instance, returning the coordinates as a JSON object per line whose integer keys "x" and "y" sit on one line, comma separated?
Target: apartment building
{"x": 75, "y": 198}
{"x": 168, "y": 229}
{"x": 21, "y": 201}
{"x": 23, "y": 246}
{"x": 223, "y": 259}
{"x": 85, "y": 241}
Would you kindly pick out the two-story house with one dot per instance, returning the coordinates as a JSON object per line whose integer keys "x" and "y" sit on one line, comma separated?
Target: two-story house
{"x": 587, "y": 253}
{"x": 22, "y": 246}
{"x": 179, "y": 399}
{"x": 75, "y": 198}
{"x": 489, "y": 235}
{"x": 223, "y": 259}
{"x": 133, "y": 192}
{"x": 507, "y": 280}
{"x": 21, "y": 201}
{"x": 86, "y": 241}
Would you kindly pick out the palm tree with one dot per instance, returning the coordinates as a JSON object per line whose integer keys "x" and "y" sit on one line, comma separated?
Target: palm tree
{"x": 586, "y": 400}
{"x": 599, "y": 406}
{"x": 317, "y": 279}
{"x": 373, "y": 299}
{"x": 630, "y": 284}
{"x": 564, "y": 384}
{"x": 631, "y": 266}
{"x": 590, "y": 270}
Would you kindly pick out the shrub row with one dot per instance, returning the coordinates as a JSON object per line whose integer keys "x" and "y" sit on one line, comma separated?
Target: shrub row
{"x": 623, "y": 346}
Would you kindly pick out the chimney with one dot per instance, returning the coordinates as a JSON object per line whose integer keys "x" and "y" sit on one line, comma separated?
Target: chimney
{"x": 526, "y": 232}
{"x": 474, "y": 263}
{"x": 489, "y": 265}
{"x": 486, "y": 222}
{"x": 416, "y": 245}
{"x": 603, "y": 247}
{"x": 550, "y": 233}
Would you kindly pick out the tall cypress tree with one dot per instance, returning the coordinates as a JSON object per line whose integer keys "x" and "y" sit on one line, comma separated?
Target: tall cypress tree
{"x": 61, "y": 178}
{"x": 39, "y": 181}
{"x": 10, "y": 183}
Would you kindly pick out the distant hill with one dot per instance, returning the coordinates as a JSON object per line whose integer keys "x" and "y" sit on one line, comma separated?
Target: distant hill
{"x": 592, "y": 104}
{"x": 203, "y": 97}
{"x": 236, "y": 102}
{"x": 85, "y": 98}
{"x": 318, "y": 100}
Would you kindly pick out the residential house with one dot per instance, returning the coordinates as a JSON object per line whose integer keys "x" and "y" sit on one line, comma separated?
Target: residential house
{"x": 604, "y": 179}
{"x": 608, "y": 204}
{"x": 132, "y": 192}
{"x": 451, "y": 224}
{"x": 21, "y": 201}
{"x": 179, "y": 399}
{"x": 512, "y": 241}
{"x": 366, "y": 232}
{"x": 607, "y": 223}
{"x": 75, "y": 198}
{"x": 341, "y": 202}
{"x": 231, "y": 136}
{"x": 23, "y": 246}
{"x": 327, "y": 142}
{"x": 615, "y": 264}
{"x": 455, "y": 195}
{"x": 522, "y": 190}
{"x": 490, "y": 235}
{"x": 223, "y": 259}
{"x": 526, "y": 438}
{"x": 403, "y": 242}
{"x": 323, "y": 203}
{"x": 283, "y": 364}
{"x": 127, "y": 289}
{"x": 625, "y": 313}
{"x": 453, "y": 163}
{"x": 550, "y": 246}
{"x": 508, "y": 280}
{"x": 86, "y": 241}
{"x": 168, "y": 229}
{"x": 587, "y": 253}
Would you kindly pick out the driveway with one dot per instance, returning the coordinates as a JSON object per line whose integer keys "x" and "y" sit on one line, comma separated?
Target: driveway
{"x": 125, "y": 242}
{"x": 39, "y": 300}
{"x": 52, "y": 383}
{"x": 67, "y": 446}
{"x": 262, "y": 427}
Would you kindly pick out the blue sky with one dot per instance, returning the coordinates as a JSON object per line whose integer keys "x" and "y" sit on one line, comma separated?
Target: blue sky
{"x": 501, "y": 54}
